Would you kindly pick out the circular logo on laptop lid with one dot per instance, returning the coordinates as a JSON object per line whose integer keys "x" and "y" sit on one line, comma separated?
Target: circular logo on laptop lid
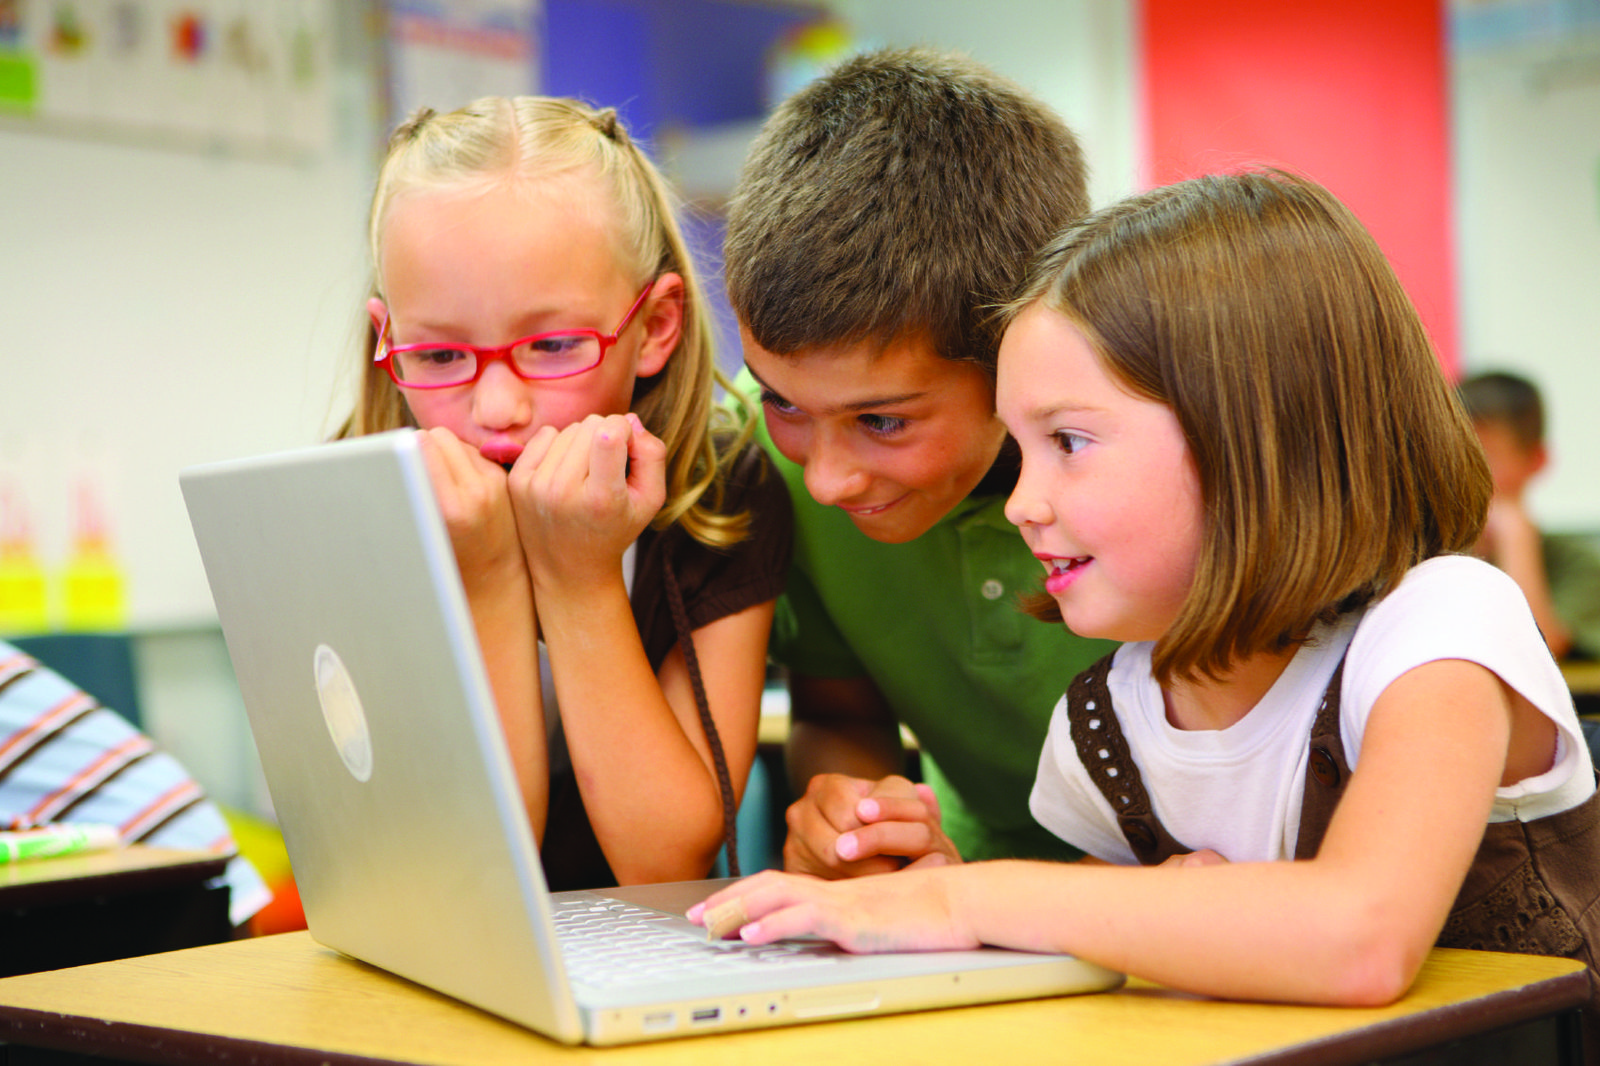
{"x": 341, "y": 710}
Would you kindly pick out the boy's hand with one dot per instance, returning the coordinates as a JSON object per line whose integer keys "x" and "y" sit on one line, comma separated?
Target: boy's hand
{"x": 908, "y": 912}
{"x": 851, "y": 827}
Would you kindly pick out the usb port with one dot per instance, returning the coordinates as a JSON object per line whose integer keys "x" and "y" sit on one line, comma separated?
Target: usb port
{"x": 659, "y": 1022}
{"x": 706, "y": 1015}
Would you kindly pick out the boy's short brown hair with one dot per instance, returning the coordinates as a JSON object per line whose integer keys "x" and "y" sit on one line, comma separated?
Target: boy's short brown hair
{"x": 1508, "y": 399}
{"x": 902, "y": 194}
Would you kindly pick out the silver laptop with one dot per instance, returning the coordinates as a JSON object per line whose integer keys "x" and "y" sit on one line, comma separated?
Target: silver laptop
{"x": 349, "y": 632}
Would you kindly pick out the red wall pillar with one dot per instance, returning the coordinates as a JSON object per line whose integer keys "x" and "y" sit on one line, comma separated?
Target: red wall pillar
{"x": 1351, "y": 93}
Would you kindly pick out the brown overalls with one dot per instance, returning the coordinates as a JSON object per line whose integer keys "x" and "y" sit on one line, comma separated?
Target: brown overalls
{"x": 1533, "y": 887}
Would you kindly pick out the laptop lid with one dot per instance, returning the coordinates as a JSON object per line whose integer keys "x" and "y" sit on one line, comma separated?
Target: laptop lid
{"x": 343, "y": 612}
{"x": 338, "y": 594}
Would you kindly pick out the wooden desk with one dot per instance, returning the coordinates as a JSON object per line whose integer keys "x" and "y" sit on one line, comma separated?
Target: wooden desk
{"x": 102, "y": 905}
{"x": 285, "y": 999}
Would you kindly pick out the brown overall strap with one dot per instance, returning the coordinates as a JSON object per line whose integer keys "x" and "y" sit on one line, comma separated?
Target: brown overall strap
{"x": 1103, "y": 750}
{"x": 1327, "y": 772}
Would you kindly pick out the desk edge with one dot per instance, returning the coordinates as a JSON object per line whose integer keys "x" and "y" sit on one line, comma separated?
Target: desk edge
{"x": 132, "y": 1042}
{"x": 1411, "y": 1033}
{"x": 179, "y": 870}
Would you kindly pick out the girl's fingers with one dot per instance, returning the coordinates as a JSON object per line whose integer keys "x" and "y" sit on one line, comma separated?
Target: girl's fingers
{"x": 799, "y": 919}
{"x": 569, "y": 449}
{"x": 534, "y": 452}
{"x": 442, "y": 454}
{"x": 769, "y": 906}
{"x": 647, "y": 464}
{"x": 610, "y": 448}
{"x": 597, "y": 462}
{"x": 463, "y": 481}
{"x": 738, "y": 891}
{"x": 540, "y": 470}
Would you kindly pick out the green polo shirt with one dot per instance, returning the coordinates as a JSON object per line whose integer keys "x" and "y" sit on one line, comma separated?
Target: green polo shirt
{"x": 934, "y": 622}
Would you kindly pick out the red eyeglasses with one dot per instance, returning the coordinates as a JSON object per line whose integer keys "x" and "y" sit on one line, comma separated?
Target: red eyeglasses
{"x": 541, "y": 357}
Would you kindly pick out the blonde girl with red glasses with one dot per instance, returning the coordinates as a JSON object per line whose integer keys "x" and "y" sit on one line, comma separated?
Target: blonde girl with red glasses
{"x": 537, "y": 317}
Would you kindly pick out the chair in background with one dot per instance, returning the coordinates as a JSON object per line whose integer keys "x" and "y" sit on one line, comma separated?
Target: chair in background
{"x": 99, "y": 663}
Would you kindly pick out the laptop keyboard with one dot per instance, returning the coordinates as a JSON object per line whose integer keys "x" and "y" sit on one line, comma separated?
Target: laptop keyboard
{"x": 607, "y": 943}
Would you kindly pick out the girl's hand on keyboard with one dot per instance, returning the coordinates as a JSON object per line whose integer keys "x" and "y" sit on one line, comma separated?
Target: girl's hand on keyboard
{"x": 905, "y": 911}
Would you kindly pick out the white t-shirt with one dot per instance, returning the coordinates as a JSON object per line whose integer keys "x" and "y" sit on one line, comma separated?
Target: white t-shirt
{"x": 1239, "y": 790}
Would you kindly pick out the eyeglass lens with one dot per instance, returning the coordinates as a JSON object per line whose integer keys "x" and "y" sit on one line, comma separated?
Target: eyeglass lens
{"x": 551, "y": 356}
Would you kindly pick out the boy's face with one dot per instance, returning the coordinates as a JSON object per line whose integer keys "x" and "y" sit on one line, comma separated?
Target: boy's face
{"x": 894, "y": 436}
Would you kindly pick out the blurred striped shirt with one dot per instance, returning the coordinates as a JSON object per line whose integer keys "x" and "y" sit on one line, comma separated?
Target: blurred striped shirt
{"x": 65, "y": 758}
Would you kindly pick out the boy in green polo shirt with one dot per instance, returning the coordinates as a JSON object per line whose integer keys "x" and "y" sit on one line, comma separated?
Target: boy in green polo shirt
{"x": 884, "y": 209}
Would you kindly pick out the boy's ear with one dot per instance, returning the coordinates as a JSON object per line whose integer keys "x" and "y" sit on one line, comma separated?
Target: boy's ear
{"x": 1538, "y": 458}
{"x": 662, "y": 316}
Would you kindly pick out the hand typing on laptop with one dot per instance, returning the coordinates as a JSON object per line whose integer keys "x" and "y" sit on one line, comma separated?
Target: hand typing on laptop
{"x": 909, "y": 911}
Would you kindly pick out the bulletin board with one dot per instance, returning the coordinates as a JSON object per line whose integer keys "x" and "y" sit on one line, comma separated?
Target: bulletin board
{"x": 231, "y": 74}
{"x": 444, "y": 53}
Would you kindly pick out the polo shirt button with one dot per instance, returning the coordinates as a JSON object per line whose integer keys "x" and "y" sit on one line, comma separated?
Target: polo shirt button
{"x": 993, "y": 589}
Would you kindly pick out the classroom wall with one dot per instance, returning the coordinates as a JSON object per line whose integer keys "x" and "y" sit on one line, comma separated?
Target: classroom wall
{"x": 1352, "y": 95}
{"x": 177, "y": 303}
{"x": 167, "y": 300}
{"x": 1526, "y": 127}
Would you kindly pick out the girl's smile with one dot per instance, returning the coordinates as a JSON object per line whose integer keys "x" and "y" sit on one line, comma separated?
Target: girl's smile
{"x": 1062, "y": 572}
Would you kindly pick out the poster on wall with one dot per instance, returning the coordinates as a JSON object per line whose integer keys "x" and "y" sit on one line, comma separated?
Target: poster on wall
{"x": 445, "y": 53}
{"x": 1498, "y": 24}
{"x": 233, "y": 75}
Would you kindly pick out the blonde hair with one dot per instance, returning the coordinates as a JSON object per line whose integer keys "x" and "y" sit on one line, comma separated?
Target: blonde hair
{"x": 1332, "y": 455}
{"x": 547, "y": 137}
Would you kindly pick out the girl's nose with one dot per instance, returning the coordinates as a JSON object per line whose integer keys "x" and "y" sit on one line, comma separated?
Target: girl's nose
{"x": 1026, "y": 507}
{"x": 500, "y": 399}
